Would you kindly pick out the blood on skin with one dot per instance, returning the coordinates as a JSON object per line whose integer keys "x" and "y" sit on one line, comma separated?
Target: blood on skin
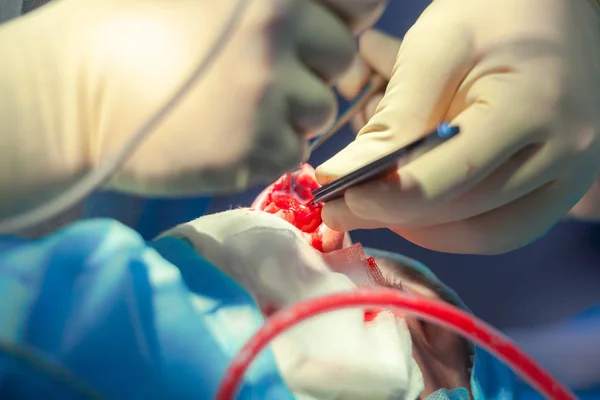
{"x": 290, "y": 198}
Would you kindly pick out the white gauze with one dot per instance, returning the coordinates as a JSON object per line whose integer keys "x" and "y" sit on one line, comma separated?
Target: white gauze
{"x": 333, "y": 356}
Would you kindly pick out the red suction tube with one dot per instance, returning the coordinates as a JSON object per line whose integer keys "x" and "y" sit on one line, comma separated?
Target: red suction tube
{"x": 433, "y": 311}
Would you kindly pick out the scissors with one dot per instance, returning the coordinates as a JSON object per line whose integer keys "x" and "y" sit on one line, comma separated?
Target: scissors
{"x": 381, "y": 166}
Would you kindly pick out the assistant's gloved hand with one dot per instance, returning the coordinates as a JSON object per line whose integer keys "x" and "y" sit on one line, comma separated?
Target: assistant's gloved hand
{"x": 522, "y": 79}
{"x": 78, "y": 78}
{"x": 588, "y": 208}
{"x": 335, "y": 356}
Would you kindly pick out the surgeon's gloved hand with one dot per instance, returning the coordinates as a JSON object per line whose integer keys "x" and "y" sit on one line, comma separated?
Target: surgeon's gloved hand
{"x": 335, "y": 356}
{"x": 359, "y": 15}
{"x": 522, "y": 79}
{"x": 588, "y": 208}
{"x": 377, "y": 55}
{"x": 78, "y": 78}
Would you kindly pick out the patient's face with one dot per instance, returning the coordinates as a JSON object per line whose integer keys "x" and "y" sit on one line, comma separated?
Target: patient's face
{"x": 441, "y": 355}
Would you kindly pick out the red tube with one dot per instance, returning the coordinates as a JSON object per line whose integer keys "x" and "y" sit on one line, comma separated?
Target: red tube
{"x": 437, "y": 312}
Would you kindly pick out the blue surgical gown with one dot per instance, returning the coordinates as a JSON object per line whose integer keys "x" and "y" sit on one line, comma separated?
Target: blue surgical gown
{"x": 129, "y": 319}
{"x": 134, "y": 320}
{"x": 147, "y": 216}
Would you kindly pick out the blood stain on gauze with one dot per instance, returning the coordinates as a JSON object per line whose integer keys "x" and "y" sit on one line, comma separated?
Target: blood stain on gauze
{"x": 356, "y": 265}
{"x": 290, "y": 198}
{"x": 361, "y": 269}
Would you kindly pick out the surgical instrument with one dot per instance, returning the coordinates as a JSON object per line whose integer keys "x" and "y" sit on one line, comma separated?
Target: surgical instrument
{"x": 375, "y": 85}
{"x": 379, "y": 167}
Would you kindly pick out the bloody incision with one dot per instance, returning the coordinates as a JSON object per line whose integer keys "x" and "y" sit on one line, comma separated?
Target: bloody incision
{"x": 290, "y": 198}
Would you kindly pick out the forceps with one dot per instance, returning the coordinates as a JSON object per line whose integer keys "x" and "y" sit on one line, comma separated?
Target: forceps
{"x": 379, "y": 167}
{"x": 375, "y": 84}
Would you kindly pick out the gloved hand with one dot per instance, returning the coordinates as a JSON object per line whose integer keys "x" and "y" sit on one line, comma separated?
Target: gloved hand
{"x": 588, "y": 208}
{"x": 78, "y": 78}
{"x": 335, "y": 356}
{"x": 377, "y": 55}
{"x": 522, "y": 79}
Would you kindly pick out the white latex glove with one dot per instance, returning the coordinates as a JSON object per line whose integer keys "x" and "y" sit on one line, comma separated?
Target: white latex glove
{"x": 335, "y": 356}
{"x": 79, "y": 77}
{"x": 377, "y": 55}
{"x": 522, "y": 79}
{"x": 588, "y": 207}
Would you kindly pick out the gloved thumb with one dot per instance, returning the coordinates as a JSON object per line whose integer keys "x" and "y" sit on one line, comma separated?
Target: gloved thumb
{"x": 427, "y": 71}
{"x": 377, "y": 53}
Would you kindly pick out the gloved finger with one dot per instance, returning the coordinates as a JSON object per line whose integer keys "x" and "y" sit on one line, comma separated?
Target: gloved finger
{"x": 528, "y": 170}
{"x": 325, "y": 44}
{"x": 312, "y": 104}
{"x": 337, "y": 216}
{"x": 358, "y": 153}
{"x": 431, "y": 62}
{"x": 358, "y": 14}
{"x": 430, "y": 66}
{"x": 497, "y": 231}
{"x": 354, "y": 79}
{"x": 362, "y": 117}
{"x": 377, "y": 53}
{"x": 451, "y": 169}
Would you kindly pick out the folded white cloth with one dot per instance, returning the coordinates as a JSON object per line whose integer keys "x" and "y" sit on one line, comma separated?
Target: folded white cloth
{"x": 334, "y": 356}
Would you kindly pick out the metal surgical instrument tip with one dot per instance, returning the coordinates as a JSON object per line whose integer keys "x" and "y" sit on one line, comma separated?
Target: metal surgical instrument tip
{"x": 377, "y": 168}
{"x": 375, "y": 85}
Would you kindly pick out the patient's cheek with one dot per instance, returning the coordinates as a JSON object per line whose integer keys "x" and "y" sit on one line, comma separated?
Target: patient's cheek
{"x": 440, "y": 353}
{"x": 289, "y": 198}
